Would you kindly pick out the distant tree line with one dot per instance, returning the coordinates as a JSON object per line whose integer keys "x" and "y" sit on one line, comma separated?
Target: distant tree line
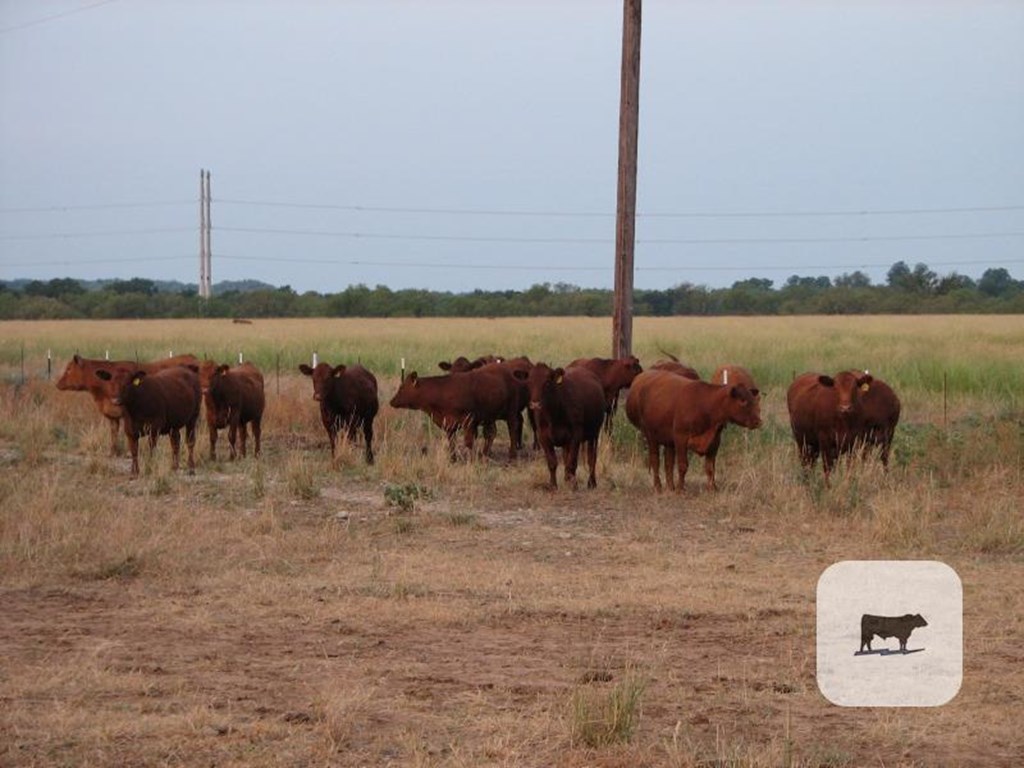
{"x": 907, "y": 290}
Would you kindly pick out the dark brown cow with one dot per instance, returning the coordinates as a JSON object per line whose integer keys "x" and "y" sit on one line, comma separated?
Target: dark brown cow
{"x": 461, "y": 364}
{"x": 881, "y": 409}
{"x": 476, "y": 398}
{"x": 885, "y": 627}
{"x": 614, "y": 375}
{"x": 569, "y": 406}
{"x": 233, "y": 398}
{"x": 80, "y": 376}
{"x": 159, "y": 403}
{"x": 348, "y": 400}
{"x": 826, "y": 415}
{"x": 684, "y": 415}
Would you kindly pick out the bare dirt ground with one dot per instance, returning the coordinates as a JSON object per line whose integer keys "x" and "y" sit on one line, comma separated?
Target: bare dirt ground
{"x": 457, "y": 634}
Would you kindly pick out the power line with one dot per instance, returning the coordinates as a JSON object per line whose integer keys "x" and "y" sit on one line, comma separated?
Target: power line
{"x": 600, "y": 214}
{"x": 589, "y": 268}
{"x": 54, "y": 17}
{"x": 606, "y": 240}
{"x": 106, "y": 233}
{"x": 97, "y": 207}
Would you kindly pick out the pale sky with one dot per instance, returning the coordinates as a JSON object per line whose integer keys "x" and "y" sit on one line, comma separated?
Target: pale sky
{"x": 459, "y": 145}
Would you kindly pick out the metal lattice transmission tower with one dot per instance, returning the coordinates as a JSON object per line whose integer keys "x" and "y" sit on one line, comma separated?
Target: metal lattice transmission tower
{"x": 205, "y": 250}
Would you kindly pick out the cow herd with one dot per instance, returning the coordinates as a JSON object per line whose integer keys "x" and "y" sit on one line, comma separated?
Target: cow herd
{"x": 566, "y": 407}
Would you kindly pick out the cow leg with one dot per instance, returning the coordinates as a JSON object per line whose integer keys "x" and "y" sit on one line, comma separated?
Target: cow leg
{"x": 683, "y": 462}
{"x": 592, "y": 463}
{"x": 115, "y": 425}
{"x": 490, "y": 430}
{"x": 886, "y": 447}
{"x": 709, "y": 470}
{"x": 213, "y": 440}
{"x": 532, "y": 417}
{"x": 552, "y": 459}
{"x": 451, "y": 431}
{"x": 233, "y": 437}
{"x": 828, "y": 460}
{"x": 652, "y": 463}
{"x": 368, "y": 439}
{"x": 243, "y": 437}
{"x": 256, "y": 432}
{"x": 670, "y": 466}
{"x": 190, "y": 443}
{"x": 515, "y": 433}
{"x": 133, "y": 448}
{"x": 571, "y": 457}
{"x": 175, "y": 436}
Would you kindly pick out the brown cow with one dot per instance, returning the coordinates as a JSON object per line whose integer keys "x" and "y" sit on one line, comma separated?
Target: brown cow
{"x": 570, "y": 407}
{"x": 680, "y": 369}
{"x": 614, "y": 375}
{"x": 881, "y": 415}
{"x": 233, "y": 398}
{"x": 160, "y": 403}
{"x": 673, "y": 365}
{"x": 826, "y": 415}
{"x": 80, "y": 376}
{"x": 476, "y": 398}
{"x": 733, "y": 374}
{"x": 684, "y": 415}
{"x": 348, "y": 399}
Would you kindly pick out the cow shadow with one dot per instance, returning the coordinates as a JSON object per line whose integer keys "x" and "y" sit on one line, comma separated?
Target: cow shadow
{"x": 888, "y": 652}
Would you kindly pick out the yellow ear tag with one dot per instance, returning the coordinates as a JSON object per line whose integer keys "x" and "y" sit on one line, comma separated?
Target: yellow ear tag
{"x": 865, "y": 387}
{"x": 136, "y": 381}
{"x": 558, "y": 379}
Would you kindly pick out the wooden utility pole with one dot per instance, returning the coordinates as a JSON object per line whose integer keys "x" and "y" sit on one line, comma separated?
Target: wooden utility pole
{"x": 625, "y": 224}
{"x": 205, "y": 263}
{"x": 202, "y": 233}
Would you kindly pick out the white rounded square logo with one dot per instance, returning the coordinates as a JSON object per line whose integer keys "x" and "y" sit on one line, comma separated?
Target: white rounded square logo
{"x": 890, "y": 633}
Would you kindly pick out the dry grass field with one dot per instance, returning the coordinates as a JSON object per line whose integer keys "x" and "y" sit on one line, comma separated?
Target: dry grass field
{"x": 291, "y": 611}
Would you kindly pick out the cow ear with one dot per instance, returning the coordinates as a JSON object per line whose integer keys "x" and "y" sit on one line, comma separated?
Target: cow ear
{"x": 306, "y": 369}
{"x": 826, "y": 381}
{"x": 734, "y": 392}
{"x": 102, "y": 374}
{"x": 864, "y": 382}
{"x": 412, "y": 378}
{"x": 520, "y": 374}
{"x": 137, "y": 378}
{"x": 755, "y": 392}
{"x": 559, "y": 375}
{"x": 193, "y": 368}
{"x": 444, "y": 365}
{"x": 222, "y": 369}
{"x": 338, "y": 371}
{"x": 76, "y": 359}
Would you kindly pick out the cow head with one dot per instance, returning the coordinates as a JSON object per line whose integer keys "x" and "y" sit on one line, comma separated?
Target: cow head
{"x": 916, "y": 620}
{"x": 73, "y": 376}
{"x": 121, "y": 383}
{"x": 322, "y": 377}
{"x": 627, "y": 369}
{"x": 540, "y": 380}
{"x": 848, "y": 386}
{"x": 459, "y": 365}
{"x": 744, "y": 406}
{"x": 405, "y": 397}
{"x": 207, "y": 370}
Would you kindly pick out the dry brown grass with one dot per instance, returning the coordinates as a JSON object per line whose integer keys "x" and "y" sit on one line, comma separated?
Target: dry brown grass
{"x": 283, "y": 612}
